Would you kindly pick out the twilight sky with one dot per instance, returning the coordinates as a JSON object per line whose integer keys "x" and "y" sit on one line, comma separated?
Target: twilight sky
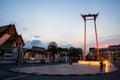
{"x": 43, "y": 21}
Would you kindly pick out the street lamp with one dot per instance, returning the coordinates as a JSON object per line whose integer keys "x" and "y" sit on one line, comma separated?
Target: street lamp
{"x": 18, "y": 48}
{"x": 66, "y": 58}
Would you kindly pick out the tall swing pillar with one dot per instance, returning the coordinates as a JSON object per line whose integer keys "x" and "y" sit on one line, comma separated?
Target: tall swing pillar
{"x": 90, "y": 17}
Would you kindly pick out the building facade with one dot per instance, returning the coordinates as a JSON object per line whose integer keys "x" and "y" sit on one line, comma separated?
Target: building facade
{"x": 37, "y": 55}
{"x": 10, "y": 40}
{"x": 110, "y": 53}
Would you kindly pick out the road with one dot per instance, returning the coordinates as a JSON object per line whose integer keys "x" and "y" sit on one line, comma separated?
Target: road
{"x": 5, "y": 74}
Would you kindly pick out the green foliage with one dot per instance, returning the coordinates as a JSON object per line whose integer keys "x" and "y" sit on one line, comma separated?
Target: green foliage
{"x": 52, "y": 47}
{"x": 75, "y": 53}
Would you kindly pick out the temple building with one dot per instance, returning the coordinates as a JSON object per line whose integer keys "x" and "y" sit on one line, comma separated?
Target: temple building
{"x": 10, "y": 40}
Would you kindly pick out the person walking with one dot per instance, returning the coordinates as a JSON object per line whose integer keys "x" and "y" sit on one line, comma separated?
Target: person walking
{"x": 101, "y": 66}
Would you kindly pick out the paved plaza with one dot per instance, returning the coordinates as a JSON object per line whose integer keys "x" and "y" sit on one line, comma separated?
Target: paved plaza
{"x": 5, "y": 74}
{"x": 66, "y": 69}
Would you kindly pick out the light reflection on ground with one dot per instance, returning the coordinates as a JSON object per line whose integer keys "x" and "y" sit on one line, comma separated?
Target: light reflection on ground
{"x": 108, "y": 67}
{"x": 66, "y": 69}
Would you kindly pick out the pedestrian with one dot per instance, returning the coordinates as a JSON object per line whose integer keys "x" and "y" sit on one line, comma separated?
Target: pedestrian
{"x": 101, "y": 66}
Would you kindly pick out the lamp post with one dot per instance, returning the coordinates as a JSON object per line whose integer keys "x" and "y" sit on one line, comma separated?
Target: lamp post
{"x": 18, "y": 48}
{"x": 66, "y": 58}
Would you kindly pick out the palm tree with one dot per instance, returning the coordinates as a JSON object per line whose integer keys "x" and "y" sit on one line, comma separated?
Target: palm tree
{"x": 52, "y": 47}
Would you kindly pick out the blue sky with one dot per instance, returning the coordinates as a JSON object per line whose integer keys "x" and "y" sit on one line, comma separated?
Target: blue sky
{"x": 43, "y": 21}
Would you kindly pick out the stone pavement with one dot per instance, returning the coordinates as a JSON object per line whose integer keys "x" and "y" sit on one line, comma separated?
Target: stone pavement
{"x": 65, "y": 69}
{"x": 7, "y": 75}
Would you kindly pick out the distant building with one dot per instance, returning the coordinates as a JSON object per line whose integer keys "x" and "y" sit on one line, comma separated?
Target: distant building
{"x": 37, "y": 54}
{"x": 10, "y": 40}
{"x": 92, "y": 55}
{"x": 28, "y": 54}
{"x": 115, "y": 52}
{"x": 111, "y": 53}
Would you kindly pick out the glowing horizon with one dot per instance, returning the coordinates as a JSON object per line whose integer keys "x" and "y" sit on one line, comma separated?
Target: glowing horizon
{"x": 60, "y": 21}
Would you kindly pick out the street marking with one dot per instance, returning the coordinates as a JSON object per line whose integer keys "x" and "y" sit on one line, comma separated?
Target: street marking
{"x": 16, "y": 77}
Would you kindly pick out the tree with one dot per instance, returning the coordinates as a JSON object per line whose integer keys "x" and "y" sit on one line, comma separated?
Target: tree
{"x": 75, "y": 53}
{"x": 63, "y": 52}
{"x": 52, "y": 47}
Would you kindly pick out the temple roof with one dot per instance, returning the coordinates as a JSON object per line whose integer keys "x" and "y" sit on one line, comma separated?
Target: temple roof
{"x": 6, "y": 29}
{"x": 11, "y": 30}
{"x": 38, "y": 48}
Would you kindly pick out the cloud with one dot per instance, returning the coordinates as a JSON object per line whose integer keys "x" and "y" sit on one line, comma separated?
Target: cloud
{"x": 36, "y": 36}
{"x": 65, "y": 45}
{"x": 110, "y": 41}
{"x": 24, "y": 28}
{"x": 29, "y": 44}
{"x": 105, "y": 41}
{"x": 35, "y": 42}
